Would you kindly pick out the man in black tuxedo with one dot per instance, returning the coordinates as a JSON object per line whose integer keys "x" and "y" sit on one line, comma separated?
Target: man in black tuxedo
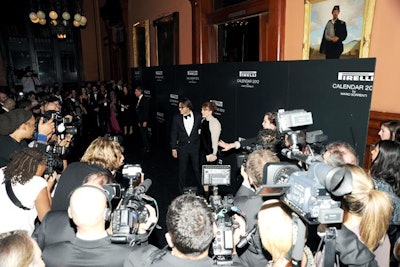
{"x": 142, "y": 112}
{"x": 185, "y": 142}
{"x": 93, "y": 112}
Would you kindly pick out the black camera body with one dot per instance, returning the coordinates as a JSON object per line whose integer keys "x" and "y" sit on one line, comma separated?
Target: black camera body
{"x": 62, "y": 125}
{"x": 223, "y": 209}
{"x": 54, "y": 161}
{"x": 223, "y": 244}
{"x": 132, "y": 210}
{"x": 314, "y": 194}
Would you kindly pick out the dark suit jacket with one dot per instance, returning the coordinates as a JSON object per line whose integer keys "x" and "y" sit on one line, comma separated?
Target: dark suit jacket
{"x": 142, "y": 109}
{"x": 179, "y": 137}
{"x": 341, "y": 32}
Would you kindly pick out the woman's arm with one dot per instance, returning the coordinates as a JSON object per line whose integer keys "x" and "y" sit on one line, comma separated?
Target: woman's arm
{"x": 43, "y": 203}
{"x": 215, "y": 129}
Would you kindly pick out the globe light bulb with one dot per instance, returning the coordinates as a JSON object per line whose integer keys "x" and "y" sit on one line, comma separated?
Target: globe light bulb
{"x": 53, "y": 22}
{"x": 83, "y": 20}
{"x": 35, "y": 20}
{"x": 33, "y": 16}
{"x": 42, "y": 21}
{"x": 53, "y": 15}
{"x": 66, "y": 15}
{"x": 77, "y": 17}
{"x": 76, "y": 23}
{"x": 41, "y": 14}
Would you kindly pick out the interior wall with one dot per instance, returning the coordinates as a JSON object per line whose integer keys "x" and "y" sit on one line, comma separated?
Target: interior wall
{"x": 91, "y": 39}
{"x": 154, "y": 9}
{"x": 384, "y": 42}
{"x": 385, "y": 37}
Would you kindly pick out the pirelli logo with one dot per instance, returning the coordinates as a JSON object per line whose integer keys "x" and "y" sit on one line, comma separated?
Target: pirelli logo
{"x": 192, "y": 73}
{"x": 251, "y": 74}
{"x": 356, "y": 76}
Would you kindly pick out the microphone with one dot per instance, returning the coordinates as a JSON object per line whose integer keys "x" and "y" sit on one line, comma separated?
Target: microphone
{"x": 143, "y": 187}
{"x": 244, "y": 240}
{"x": 308, "y": 159}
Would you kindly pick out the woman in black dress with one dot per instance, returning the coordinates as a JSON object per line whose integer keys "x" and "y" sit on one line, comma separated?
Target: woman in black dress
{"x": 126, "y": 110}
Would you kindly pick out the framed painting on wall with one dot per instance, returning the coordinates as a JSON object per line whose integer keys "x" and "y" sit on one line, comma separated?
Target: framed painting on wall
{"x": 358, "y": 15}
{"x": 141, "y": 44}
{"x": 167, "y": 39}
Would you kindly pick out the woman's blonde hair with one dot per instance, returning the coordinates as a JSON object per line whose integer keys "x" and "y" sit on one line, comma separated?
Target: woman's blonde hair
{"x": 275, "y": 226}
{"x": 373, "y": 206}
{"x": 104, "y": 152}
{"x": 16, "y": 249}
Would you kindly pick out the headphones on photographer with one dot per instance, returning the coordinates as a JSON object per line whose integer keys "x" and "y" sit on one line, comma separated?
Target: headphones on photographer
{"x": 108, "y": 196}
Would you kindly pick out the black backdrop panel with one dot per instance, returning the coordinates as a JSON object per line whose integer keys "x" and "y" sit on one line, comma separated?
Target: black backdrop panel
{"x": 187, "y": 84}
{"x": 261, "y": 87}
{"x": 340, "y": 107}
{"x": 337, "y": 92}
{"x": 218, "y": 85}
{"x": 165, "y": 102}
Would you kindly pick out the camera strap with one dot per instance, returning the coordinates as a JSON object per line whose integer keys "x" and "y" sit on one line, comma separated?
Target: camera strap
{"x": 156, "y": 256}
{"x": 12, "y": 196}
{"x": 330, "y": 245}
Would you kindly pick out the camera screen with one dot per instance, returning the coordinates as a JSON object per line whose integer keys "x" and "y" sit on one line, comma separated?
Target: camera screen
{"x": 272, "y": 190}
{"x": 216, "y": 175}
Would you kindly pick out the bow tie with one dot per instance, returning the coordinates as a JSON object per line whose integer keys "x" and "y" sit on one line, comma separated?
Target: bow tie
{"x": 187, "y": 116}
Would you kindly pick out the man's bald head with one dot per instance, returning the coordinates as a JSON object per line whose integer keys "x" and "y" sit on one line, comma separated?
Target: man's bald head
{"x": 88, "y": 205}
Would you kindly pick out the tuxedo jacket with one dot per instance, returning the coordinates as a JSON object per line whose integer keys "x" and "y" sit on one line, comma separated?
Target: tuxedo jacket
{"x": 142, "y": 109}
{"x": 179, "y": 137}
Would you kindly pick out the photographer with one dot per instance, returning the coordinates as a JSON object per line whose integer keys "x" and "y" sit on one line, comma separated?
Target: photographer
{"x": 24, "y": 194}
{"x": 247, "y": 201}
{"x": 269, "y": 122}
{"x": 276, "y": 227}
{"x": 59, "y": 143}
{"x": 56, "y": 226}
{"x": 89, "y": 209}
{"x": 17, "y": 128}
{"x": 102, "y": 155}
{"x": 362, "y": 240}
{"x": 190, "y": 233}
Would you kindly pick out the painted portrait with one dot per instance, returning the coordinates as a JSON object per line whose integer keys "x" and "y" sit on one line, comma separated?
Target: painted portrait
{"x": 357, "y": 14}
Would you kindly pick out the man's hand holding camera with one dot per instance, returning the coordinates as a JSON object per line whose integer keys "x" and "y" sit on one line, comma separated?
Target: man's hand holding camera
{"x": 46, "y": 128}
{"x": 151, "y": 220}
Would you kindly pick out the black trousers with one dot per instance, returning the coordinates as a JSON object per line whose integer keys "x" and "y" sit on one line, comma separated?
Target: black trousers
{"x": 189, "y": 155}
{"x": 144, "y": 133}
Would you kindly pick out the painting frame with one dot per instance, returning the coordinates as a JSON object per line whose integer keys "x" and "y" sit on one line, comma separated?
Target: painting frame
{"x": 365, "y": 38}
{"x": 141, "y": 44}
{"x": 167, "y": 39}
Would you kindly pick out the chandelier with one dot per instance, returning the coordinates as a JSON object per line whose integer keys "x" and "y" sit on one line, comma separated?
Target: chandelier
{"x": 59, "y": 15}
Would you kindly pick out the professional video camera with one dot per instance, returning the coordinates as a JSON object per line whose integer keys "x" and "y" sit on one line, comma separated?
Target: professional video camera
{"x": 292, "y": 124}
{"x": 132, "y": 210}
{"x": 223, "y": 209}
{"x": 313, "y": 194}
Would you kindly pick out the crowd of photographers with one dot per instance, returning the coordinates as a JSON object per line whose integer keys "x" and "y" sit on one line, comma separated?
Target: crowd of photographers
{"x": 80, "y": 216}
